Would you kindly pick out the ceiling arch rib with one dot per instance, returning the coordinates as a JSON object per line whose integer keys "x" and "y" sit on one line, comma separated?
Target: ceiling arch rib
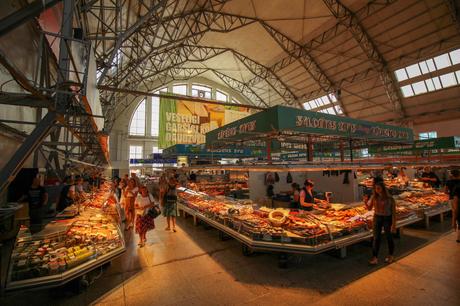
{"x": 157, "y": 9}
{"x": 302, "y": 55}
{"x": 203, "y": 22}
{"x": 346, "y": 17}
{"x": 188, "y": 53}
{"x": 175, "y": 74}
{"x": 370, "y": 8}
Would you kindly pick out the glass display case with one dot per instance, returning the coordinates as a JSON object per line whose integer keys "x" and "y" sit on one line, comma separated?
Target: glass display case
{"x": 285, "y": 229}
{"x": 66, "y": 248}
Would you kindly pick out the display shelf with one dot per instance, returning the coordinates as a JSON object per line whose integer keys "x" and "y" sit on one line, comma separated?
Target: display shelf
{"x": 67, "y": 249}
{"x": 285, "y": 246}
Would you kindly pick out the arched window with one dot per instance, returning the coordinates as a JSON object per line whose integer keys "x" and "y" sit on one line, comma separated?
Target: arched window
{"x": 221, "y": 96}
{"x": 137, "y": 126}
{"x": 156, "y": 112}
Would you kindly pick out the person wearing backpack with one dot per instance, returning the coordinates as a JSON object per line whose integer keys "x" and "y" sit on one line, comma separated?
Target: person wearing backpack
{"x": 170, "y": 204}
{"x": 144, "y": 218}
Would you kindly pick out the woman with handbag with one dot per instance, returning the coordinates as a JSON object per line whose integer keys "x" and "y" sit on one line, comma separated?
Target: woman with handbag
{"x": 170, "y": 204}
{"x": 144, "y": 217}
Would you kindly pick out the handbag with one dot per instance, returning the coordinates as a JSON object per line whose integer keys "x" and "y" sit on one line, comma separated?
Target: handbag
{"x": 153, "y": 212}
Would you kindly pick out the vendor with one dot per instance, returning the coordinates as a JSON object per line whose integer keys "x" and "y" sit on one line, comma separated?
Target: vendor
{"x": 65, "y": 197}
{"x": 402, "y": 177}
{"x": 429, "y": 177}
{"x": 295, "y": 195}
{"x": 37, "y": 198}
{"x": 307, "y": 200}
{"x": 77, "y": 191}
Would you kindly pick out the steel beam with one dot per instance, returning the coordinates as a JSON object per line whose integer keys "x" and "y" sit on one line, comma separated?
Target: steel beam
{"x": 22, "y": 100}
{"x": 122, "y": 37}
{"x": 22, "y": 15}
{"x": 30, "y": 144}
{"x": 346, "y": 17}
{"x": 178, "y": 97}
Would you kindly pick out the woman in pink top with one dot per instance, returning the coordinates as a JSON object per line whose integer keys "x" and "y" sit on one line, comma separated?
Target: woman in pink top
{"x": 384, "y": 217}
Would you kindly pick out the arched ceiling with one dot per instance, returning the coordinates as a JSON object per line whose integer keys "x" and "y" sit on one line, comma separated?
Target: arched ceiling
{"x": 277, "y": 51}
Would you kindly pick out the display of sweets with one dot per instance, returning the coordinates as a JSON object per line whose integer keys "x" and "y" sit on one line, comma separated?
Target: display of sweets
{"x": 86, "y": 238}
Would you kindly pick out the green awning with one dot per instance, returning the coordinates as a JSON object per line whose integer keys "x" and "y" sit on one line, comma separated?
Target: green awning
{"x": 280, "y": 122}
{"x": 452, "y": 142}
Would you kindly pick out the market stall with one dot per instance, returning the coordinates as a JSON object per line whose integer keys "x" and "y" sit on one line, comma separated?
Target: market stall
{"x": 293, "y": 231}
{"x": 82, "y": 238}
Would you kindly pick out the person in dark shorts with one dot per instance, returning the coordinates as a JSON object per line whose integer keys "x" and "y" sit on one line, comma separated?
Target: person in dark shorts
{"x": 384, "y": 217}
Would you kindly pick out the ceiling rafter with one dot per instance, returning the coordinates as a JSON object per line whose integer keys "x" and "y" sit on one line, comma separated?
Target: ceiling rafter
{"x": 302, "y": 55}
{"x": 346, "y": 17}
{"x": 202, "y": 22}
{"x": 157, "y": 9}
{"x": 179, "y": 55}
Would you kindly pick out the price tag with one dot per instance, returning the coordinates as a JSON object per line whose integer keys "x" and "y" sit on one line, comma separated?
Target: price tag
{"x": 285, "y": 239}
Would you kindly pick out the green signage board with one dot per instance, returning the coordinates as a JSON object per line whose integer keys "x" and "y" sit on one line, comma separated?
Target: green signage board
{"x": 288, "y": 121}
{"x": 418, "y": 145}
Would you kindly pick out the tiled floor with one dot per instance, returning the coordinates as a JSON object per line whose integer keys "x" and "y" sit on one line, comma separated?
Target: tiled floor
{"x": 193, "y": 267}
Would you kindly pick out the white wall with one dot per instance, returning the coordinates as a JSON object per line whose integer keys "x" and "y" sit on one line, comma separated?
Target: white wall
{"x": 257, "y": 188}
{"x": 341, "y": 193}
{"x": 443, "y": 128}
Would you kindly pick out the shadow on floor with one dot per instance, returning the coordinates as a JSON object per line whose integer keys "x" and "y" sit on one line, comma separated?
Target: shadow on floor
{"x": 322, "y": 274}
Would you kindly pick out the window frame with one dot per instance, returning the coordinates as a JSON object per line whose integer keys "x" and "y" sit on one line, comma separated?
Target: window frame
{"x": 144, "y": 103}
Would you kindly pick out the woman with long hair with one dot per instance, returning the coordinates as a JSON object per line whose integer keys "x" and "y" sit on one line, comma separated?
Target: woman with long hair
{"x": 384, "y": 217}
{"x": 130, "y": 195}
{"x": 144, "y": 222}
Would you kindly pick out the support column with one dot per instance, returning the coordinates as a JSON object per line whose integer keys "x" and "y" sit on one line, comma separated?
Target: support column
{"x": 310, "y": 149}
{"x": 30, "y": 144}
{"x": 269, "y": 150}
{"x": 351, "y": 150}
{"x": 342, "y": 152}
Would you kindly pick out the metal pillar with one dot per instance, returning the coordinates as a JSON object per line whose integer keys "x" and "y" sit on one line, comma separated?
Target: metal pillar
{"x": 30, "y": 144}
{"x": 17, "y": 18}
{"x": 43, "y": 128}
{"x": 310, "y": 149}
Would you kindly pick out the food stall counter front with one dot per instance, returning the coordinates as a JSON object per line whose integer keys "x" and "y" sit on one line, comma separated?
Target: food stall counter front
{"x": 68, "y": 248}
{"x": 282, "y": 230}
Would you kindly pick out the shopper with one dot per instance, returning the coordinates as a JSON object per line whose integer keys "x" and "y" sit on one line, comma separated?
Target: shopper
{"x": 384, "y": 217}
{"x": 170, "y": 204}
{"x": 429, "y": 177}
{"x": 144, "y": 221}
{"x": 192, "y": 177}
{"x": 116, "y": 187}
{"x": 130, "y": 195}
{"x": 452, "y": 183}
{"x": 136, "y": 178}
{"x": 456, "y": 212}
{"x": 65, "y": 197}
{"x": 37, "y": 198}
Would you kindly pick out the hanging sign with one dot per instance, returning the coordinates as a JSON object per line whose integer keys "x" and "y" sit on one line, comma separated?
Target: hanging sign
{"x": 187, "y": 122}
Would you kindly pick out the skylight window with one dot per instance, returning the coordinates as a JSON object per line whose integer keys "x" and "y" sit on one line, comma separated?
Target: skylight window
{"x": 448, "y": 80}
{"x": 325, "y": 104}
{"x": 430, "y": 65}
{"x": 431, "y": 84}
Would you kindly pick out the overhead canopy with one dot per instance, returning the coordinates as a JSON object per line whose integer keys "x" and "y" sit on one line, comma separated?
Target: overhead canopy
{"x": 287, "y": 124}
{"x": 201, "y": 151}
{"x": 442, "y": 143}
